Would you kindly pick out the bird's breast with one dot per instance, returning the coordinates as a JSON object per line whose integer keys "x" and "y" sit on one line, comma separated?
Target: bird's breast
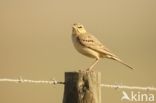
{"x": 83, "y": 49}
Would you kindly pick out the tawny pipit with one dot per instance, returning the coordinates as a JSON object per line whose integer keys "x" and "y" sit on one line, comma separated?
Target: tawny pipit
{"x": 90, "y": 46}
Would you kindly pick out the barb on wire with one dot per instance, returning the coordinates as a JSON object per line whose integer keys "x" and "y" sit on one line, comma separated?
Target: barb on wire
{"x": 115, "y": 86}
{"x": 21, "y": 80}
{"x": 128, "y": 87}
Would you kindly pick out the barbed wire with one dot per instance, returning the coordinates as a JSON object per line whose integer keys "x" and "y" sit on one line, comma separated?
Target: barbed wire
{"x": 116, "y": 86}
{"x": 54, "y": 82}
{"x": 21, "y": 80}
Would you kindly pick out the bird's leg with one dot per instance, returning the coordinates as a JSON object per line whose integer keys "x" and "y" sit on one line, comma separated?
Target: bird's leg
{"x": 91, "y": 67}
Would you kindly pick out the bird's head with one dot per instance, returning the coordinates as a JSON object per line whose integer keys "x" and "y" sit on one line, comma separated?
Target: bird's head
{"x": 78, "y": 28}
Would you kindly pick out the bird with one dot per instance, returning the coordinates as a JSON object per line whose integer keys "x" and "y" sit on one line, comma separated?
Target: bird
{"x": 88, "y": 45}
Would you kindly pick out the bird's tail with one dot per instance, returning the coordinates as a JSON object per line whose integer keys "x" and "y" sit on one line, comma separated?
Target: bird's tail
{"x": 120, "y": 61}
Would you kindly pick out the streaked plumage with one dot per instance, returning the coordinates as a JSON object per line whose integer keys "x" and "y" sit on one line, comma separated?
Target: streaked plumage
{"x": 89, "y": 45}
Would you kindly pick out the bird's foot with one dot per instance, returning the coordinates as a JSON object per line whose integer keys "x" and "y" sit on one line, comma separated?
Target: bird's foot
{"x": 81, "y": 70}
{"x": 89, "y": 70}
{"x": 86, "y": 70}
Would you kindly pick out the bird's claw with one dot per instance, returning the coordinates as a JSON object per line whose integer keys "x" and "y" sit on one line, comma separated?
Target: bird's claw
{"x": 89, "y": 70}
{"x": 86, "y": 70}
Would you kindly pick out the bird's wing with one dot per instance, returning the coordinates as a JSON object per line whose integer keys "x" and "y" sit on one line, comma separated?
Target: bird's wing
{"x": 93, "y": 43}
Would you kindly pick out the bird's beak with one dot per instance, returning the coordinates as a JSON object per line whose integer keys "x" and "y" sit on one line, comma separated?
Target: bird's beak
{"x": 73, "y": 27}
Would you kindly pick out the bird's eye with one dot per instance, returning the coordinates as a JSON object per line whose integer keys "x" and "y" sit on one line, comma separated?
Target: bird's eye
{"x": 79, "y": 26}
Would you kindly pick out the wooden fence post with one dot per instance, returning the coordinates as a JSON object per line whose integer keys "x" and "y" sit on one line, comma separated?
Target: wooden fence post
{"x": 82, "y": 87}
